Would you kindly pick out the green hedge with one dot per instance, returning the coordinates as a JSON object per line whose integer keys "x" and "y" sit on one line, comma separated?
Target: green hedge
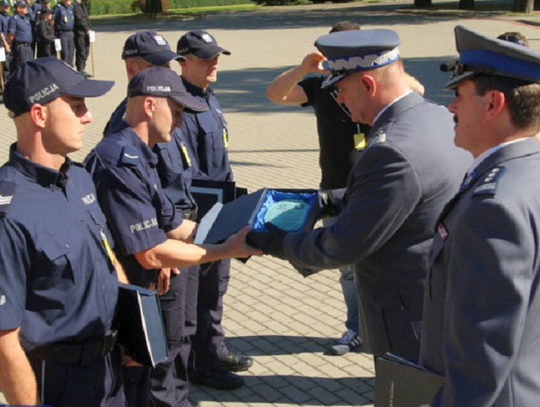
{"x": 100, "y": 7}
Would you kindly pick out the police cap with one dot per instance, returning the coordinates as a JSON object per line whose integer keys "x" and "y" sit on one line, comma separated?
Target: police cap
{"x": 163, "y": 82}
{"x": 480, "y": 54}
{"x": 199, "y": 43}
{"x": 45, "y": 79}
{"x": 20, "y": 3}
{"x": 358, "y": 50}
{"x": 4, "y": 3}
{"x": 151, "y": 47}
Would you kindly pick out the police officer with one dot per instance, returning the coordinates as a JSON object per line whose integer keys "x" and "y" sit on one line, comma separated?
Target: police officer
{"x": 59, "y": 283}
{"x": 150, "y": 232}
{"x": 141, "y": 51}
{"x": 20, "y": 36}
{"x": 64, "y": 24}
{"x": 45, "y": 34}
{"x": 4, "y": 21}
{"x": 207, "y": 134}
{"x": 482, "y": 306}
{"x": 82, "y": 36}
{"x": 395, "y": 191}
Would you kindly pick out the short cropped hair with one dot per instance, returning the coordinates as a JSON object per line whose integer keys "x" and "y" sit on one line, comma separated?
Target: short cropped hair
{"x": 344, "y": 26}
{"x": 515, "y": 37}
{"x": 522, "y": 98}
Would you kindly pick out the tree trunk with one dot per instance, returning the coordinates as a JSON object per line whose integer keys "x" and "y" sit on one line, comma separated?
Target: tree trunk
{"x": 422, "y": 3}
{"x": 153, "y": 6}
{"x": 523, "y": 6}
{"x": 467, "y": 4}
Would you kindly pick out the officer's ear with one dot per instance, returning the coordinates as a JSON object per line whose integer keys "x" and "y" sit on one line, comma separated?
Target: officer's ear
{"x": 368, "y": 84}
{"x": 38, "y": 113}
{"x": 149, "y": 106}
{"x": 496, "y": 102}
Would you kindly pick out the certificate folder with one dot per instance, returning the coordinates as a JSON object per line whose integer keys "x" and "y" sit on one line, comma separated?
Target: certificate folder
{"x": 223, "y": 221}
{"x": 400, "y": 383}
{"x": 207, "y": 193}
{"x": 140, "y": 326}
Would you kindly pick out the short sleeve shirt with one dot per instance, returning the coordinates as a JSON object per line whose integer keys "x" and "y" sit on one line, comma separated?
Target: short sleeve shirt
{"x": 21, "y": 29}
{"x": 63, "y": 18}
{"x": 58, "y": 283}
{"x": 207, "y": 134}
{"x": 338, "y": 148}
{"x": 129, "y": 190}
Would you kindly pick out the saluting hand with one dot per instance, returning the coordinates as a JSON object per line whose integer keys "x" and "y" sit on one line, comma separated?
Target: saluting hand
{"x": 313, "y": 63}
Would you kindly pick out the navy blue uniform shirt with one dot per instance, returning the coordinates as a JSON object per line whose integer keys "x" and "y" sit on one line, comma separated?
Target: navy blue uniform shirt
{"x": 21, "y": 28}
{"x": 175, "y": 169}
{"x": 63, "y": 18}
{"x": 129, "y": 190}
{"x": 4, "y": 21}
{"x": 57, "y": 281}
{"x": 206, "y": 133}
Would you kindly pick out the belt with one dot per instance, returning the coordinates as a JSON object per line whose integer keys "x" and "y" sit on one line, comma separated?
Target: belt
{"x": 189, "y": 214}
{"x": 76, "y": 354}
{"x": 22, "y": 44}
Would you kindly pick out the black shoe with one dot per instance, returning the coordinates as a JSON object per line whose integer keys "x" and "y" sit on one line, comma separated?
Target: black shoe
{"x": 235, "y": 363}
{"x": 85, "y": 74}
{"x": 218, "y": 378}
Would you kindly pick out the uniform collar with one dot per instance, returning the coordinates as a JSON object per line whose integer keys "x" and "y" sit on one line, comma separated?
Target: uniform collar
{"x": 147, "y": 154}
{"x": 195, "y": 90}
{"x": 396, "y": 107}
{"x": 44, "y": 176}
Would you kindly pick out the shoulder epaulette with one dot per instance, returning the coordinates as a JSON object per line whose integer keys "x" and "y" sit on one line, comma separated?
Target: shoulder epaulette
{"x": 130, "y": 156}
{"x": 488, "y": 185}
{"x": 378, "y": 138}
{"x": 7, "y": 190}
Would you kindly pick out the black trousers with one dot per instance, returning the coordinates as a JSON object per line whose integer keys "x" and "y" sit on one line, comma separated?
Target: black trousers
{"x": 82, "y": 49}
{"x": 68, "y": 47}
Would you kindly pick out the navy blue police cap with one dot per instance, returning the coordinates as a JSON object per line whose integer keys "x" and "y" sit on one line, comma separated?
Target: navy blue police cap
{"x": 151, "y": 47}
{"x": 164, "y": 82}
{"x": 480, "y": 54}
{"x": 199, "y": 43}
{"x": 358, "y": 50}
{"x": 45, "y": 79}
{"x": 4, "y": 3}
{"x": 20, "y": 3}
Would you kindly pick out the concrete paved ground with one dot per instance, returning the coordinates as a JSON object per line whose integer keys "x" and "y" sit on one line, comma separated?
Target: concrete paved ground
{"x": 284, "y": 321}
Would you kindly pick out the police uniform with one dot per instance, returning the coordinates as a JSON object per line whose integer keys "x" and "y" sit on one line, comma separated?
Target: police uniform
{"x": 482, "y": 304}
{"x": 207, "y": 134}
{"x": 124, "y": 169}
{"x": 395, "y": 191}
{"x": 4, "y": 22}
{"x": 64, "y": 24}
{"x": 53, "y": 259}
{"x": 21, "y": 46}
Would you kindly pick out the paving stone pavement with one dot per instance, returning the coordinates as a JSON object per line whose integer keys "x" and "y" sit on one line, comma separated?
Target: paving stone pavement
{"x": 284, "y": 321}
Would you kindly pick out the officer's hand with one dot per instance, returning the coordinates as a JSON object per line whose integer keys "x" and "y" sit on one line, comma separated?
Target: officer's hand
{"x": 127, "y": 360}
{"x": 327, "y": 204}
{"x": 236, "y": 246}
{"x": 164, "y": 280}
{"x": 313, "y": 63}
{"x": 275, "y": 245}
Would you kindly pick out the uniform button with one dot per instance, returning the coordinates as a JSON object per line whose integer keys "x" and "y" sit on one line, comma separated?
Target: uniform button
{"x": 104, "y": 287}
{"x": 66, "y": 245}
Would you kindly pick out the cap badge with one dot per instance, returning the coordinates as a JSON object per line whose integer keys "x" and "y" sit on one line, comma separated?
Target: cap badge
{"x": 206, "y": 38}
{"x": 160, "y": 40}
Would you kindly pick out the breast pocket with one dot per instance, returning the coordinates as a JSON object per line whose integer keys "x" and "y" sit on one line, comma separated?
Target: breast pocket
{"x": 57, "y": 260}
{"x": 215, "y": 135}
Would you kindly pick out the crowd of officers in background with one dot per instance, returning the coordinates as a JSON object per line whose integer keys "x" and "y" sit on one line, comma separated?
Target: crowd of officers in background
{"x": 30, "y": 31}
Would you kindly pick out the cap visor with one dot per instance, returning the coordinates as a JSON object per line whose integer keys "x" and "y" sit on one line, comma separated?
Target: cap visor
{"x": 332, "y": 80}
{"x": 88, "y": 88}
{"x": 452, "y": 83}
{"x": 210, "y": 52}
{"x": 162, "y": 58}
{"x": 189, "y": 102}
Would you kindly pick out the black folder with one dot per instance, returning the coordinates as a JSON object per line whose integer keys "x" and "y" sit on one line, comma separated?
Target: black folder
{"x": 400, "y": 383}
{"x": 140, "y": 325}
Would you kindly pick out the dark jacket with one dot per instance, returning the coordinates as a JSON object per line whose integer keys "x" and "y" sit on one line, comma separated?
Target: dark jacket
{"x": 82, "y": 22}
